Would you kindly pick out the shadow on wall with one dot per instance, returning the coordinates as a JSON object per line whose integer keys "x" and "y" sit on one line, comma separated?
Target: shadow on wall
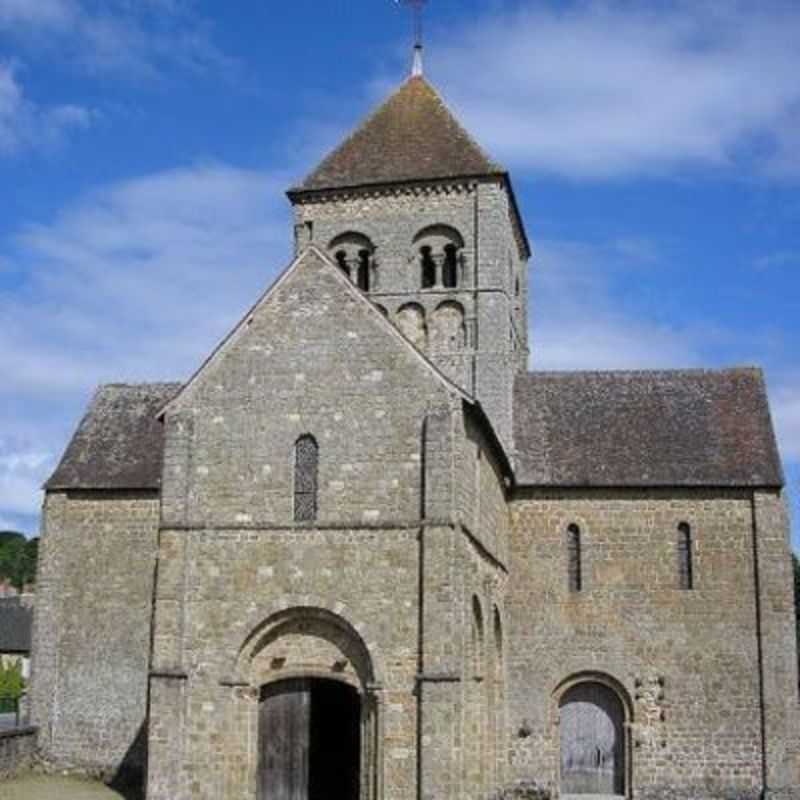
{"x": 129, "y": 779}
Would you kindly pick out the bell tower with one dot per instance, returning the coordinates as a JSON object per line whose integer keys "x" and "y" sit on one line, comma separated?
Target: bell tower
{"x": 426, "y": 224}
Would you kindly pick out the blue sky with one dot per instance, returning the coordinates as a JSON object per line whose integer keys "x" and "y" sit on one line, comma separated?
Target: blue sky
{"x": 145, "y": 146}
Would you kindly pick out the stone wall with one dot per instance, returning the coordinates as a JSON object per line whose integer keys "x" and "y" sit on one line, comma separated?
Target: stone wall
{"x": 92, "y": 629}
{"x": 17, "y": 751}
{"x": 685, "y": 662}
{"x": 314, "y": 359}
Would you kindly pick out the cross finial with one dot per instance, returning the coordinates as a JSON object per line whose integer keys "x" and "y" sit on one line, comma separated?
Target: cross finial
{"x": 416, "y": 6}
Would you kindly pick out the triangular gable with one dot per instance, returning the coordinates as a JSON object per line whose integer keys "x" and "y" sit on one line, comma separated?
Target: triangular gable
{"x": 271, "y": 292}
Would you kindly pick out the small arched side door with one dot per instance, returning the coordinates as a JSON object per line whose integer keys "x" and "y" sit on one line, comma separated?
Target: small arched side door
{"x": 592, "y": 725}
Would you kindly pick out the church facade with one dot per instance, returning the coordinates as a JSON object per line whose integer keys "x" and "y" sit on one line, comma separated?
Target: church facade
{"x": 365, "y": 554}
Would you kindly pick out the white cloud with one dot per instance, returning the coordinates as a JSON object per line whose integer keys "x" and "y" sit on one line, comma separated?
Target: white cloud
{"x": 37, "y": 13}
{"x": 786, "y": 409}
{"x": 136, "y": 281}
{"x": 24, "y": 124}
{"x": 135, "y": 40}
{"x": 609, "y": 89}
{"x": 21, "y": 477}
{"x": 577, "y": 323}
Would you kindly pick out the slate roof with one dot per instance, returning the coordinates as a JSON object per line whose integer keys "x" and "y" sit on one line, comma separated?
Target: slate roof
{"x": 119, "y": 442}
{"x": 655, "y": 428}
{"x": 413, "y": 136}
{"x": 16, "y": 620}
{"x": 607, "y": 429}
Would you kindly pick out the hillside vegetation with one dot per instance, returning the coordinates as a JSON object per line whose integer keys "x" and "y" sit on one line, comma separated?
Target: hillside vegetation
{"x": 18, "y": 558}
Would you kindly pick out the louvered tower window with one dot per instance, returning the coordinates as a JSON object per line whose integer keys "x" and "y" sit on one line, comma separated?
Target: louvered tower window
{"x": 574, "y": 576}
{"x": 306, "y": 467}
{"x": 685, "y": 569}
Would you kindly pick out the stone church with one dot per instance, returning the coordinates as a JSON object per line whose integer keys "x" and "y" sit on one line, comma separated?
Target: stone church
{"x": 364, "y": 553}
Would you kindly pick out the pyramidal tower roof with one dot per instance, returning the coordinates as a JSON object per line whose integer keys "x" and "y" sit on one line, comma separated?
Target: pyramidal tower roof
{"x": 413, "y": 136}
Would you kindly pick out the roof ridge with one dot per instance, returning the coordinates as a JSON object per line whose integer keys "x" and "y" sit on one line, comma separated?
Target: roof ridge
{"x": 138, "y": 384}
{"x": 743, "y": 369}
{"x": 472, "y": 140}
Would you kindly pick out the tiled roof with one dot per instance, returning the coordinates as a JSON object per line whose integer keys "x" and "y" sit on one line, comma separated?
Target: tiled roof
{"x": 413, "y": 136}
{"x": 659, "y": 428}
{"x": 119, "y": 443}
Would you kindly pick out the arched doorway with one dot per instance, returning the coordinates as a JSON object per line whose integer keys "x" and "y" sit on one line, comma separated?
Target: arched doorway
{"x": 593, "y": 751}
{"x": 309, "y": 737}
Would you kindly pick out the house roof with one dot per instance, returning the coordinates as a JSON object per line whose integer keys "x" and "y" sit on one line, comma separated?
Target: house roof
{"x": 119, "y": 442}
{"x": 16, "y": 620}
{"x": 413, "y": 136}
{"x": 656, "y": 428}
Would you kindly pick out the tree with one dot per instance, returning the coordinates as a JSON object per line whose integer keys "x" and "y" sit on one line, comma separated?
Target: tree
{"x": 18, "y": 557}
{"x": 12, "y": 685}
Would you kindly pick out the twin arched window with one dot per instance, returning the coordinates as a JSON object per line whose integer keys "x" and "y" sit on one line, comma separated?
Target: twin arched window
{"x": 439, "y": 250}
{"x": 440, "y": 259}
{"x": 354, "y": 254}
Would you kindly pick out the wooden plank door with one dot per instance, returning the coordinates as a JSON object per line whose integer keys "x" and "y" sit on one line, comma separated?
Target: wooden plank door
{"x": 592, "y": 741}
{"x": 284, "y": 734}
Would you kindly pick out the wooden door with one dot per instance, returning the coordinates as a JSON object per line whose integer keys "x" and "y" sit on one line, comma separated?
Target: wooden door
{"x": 592, "y": 723}
{"x": 284, "y": 734}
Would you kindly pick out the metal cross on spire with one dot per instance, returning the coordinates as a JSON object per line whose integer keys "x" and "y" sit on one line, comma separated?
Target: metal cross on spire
{"x": 417, "y": 7}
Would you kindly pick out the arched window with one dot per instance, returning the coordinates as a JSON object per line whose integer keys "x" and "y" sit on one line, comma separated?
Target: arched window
{"x": 685, "y": 569}
{"x": 355, "y": 256}
{"x": 306, "y": 467}
{"x": 450, "y": 268}
{"x": 477, "y": 635}
{"x": 574, "y": 576}
{"x": 428, "y": 266}
{"x": 440, "y": 256}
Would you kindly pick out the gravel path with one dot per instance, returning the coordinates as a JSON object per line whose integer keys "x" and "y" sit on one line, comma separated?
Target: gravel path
{"x": 37, "y": 787}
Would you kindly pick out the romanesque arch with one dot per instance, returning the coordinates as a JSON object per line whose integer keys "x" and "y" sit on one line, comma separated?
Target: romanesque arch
{"x": 316, "y": 726}
{"x": 438, "y": 252}
{"x": 447, "y": 330}
{"x": 410, "y": 320}
{"x": 594, "y": 714}
{"x": 354, "y": 253}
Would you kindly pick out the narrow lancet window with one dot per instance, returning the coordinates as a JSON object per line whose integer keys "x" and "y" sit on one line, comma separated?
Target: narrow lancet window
{"x": 450, "y": 269}
{"x": 428, "y": 268}
{"x": 306, "y": 467}
{"x": 574, "y": 576}
{"x": 685, "y": 570}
